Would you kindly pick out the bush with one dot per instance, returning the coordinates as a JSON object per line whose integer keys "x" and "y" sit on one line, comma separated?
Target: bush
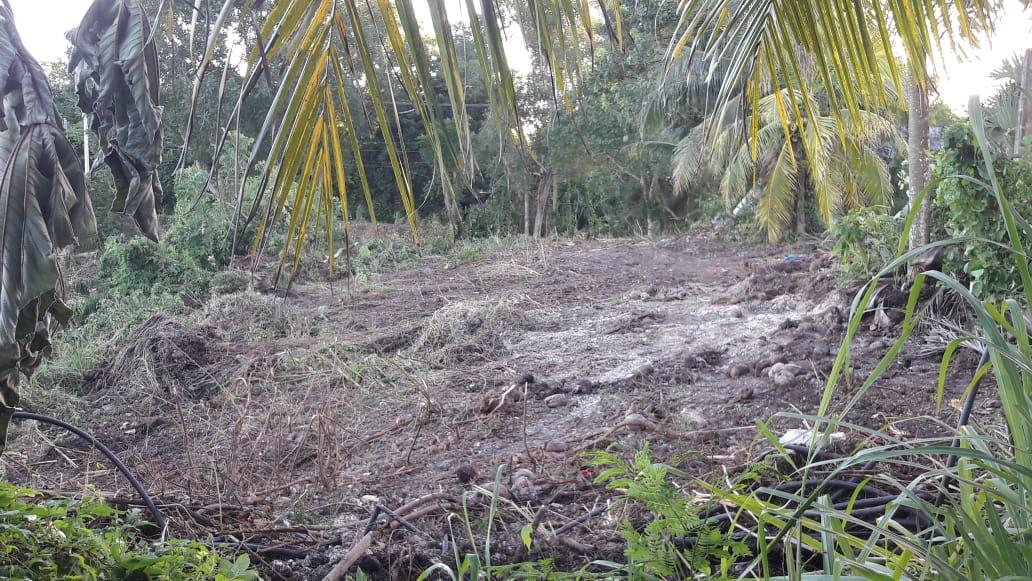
{"x": 139, "y": 265}
{"x": 865, "y": 241}
{"x": 966, "y": 209}
{"x": 44, "y": 538}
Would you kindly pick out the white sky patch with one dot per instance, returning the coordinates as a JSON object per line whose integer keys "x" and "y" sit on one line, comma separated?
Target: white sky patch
{"x": 43, "y": 23}
{"x": 962, "y": 77}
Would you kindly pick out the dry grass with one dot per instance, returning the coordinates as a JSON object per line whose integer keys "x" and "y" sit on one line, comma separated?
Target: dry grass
{"x": 256, "y": 316}
{"x": 467, "y": 330}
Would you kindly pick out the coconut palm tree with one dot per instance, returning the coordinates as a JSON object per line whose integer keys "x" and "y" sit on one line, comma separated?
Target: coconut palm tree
{"x": 834, "y": 160}
{"x": 761, "y": 39}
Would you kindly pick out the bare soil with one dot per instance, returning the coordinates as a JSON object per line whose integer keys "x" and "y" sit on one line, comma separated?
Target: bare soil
{"x": 282, "y": 420}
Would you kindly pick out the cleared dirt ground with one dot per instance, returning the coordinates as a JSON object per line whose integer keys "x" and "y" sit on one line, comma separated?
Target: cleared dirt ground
{"x": 281, "y": 419}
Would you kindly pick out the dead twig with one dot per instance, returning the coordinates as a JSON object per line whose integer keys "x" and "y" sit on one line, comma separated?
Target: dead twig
{"x": 357, "y": 551}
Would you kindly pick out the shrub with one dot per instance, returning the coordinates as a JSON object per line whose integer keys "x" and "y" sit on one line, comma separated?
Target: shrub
{"x": 43, "y": 538}
{"x": 653, "y": 550}
{"x": 865, "y": 241}
{"x": 967, "y": 209}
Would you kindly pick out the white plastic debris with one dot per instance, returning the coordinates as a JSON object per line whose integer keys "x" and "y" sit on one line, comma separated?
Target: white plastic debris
{"x": 803, "y": 437}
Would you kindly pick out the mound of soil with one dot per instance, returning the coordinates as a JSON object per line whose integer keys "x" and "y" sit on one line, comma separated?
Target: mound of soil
{"x": 161, "y": 356}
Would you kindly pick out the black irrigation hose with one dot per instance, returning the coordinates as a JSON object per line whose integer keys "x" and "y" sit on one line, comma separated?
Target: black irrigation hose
{"x": 804, "y": 450}
{"x": 159, "y": 519}
{"x": 861, "y": 508}
{"x": 965, "y": 415}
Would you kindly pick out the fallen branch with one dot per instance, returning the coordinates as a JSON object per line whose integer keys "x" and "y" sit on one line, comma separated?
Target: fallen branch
{"x": 341, "y": 568}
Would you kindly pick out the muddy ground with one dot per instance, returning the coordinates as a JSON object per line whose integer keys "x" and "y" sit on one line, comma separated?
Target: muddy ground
{"x": 280, "y": 420}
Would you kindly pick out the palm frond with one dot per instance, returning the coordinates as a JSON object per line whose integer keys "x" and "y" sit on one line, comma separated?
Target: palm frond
{"x": 777, "y": 204}
{"x": 314, "y": 40}
{"x": 761, "y": 39}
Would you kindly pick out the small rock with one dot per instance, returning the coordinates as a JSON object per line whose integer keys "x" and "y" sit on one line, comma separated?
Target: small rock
{"x": 788, "y": 324}
{"x": 523, "y": 473}
{"x": 636, "y": 422}
{"x": 557, "y": 401}
{"x": 744, "y": 394}
{"x": 790, "y": 369}
{"x": 821, "y": 350}
{"x": 556, "y": 446}
{"x": 584, "y": 386}
{"x": 739, "y": 370}
{"x": 524, "y": 488}
{"x": 783, "y": 379}
{"x": 736, "y": 312}
{"x": 466, "y": 473}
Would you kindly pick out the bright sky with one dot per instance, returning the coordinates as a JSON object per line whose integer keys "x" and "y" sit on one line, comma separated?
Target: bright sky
{"x": 42, "y": 24}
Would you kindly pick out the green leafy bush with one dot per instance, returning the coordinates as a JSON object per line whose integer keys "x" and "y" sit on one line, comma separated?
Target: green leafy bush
{"x": 653, "y": 550}
{"x": 43, "y": 538}
{"x": 865, "y": 241}
{"x": 966, "y": 208}
{"x": 138, "y": 265}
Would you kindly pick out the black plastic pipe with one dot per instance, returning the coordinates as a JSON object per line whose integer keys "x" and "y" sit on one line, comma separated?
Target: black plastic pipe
{"x": 159, "y": 519}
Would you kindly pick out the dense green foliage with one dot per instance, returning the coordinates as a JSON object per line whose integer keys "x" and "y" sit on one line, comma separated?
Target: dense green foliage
{"x": 968, "y": 210}
{"x": 865, "y": 240}
{"x": 48, "y": 538}
{"x": 653, "y": 550}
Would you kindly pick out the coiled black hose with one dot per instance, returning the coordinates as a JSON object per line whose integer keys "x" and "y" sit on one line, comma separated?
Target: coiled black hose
{"x": 159, "y": 519}
{"x": 871, "y": 506}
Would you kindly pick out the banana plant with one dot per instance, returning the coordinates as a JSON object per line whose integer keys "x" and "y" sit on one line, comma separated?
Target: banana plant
{"x": 115, "y": 64}
{"x": 44, "y": 206}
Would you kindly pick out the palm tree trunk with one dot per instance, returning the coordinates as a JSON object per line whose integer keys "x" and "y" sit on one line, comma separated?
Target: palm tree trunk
{"x": 917, "y": 160}
{"x": 1024, "y": 127}
{"x": 800, "y": 213}
{"x": 526, "y": 212}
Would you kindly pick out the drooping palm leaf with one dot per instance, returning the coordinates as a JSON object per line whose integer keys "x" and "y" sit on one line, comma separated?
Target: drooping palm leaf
{"x": 44, "y": 206}
{"x": 328, "y": 51}
{"x": 116, "y": 73}
{"x": 761, "y": 40}
{"x": 834, "y": 157}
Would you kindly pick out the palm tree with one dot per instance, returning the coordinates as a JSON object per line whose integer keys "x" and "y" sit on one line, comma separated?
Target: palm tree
{"x": 834, "y": 160}
{"x": 761, "y": 39}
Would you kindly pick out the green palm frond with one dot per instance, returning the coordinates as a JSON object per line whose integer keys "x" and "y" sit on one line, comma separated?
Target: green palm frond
{"x": 778, "y": 202}
{"x": 761, "y": 41}
{"x": 328, "y": 54}
{"x": 824, "y": 176}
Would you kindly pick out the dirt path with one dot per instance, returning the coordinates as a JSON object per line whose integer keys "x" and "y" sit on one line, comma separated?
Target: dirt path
{"x": 262, "y": 413}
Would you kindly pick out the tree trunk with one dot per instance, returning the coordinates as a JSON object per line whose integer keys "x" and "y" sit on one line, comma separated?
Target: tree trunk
{"x": 917, "y": 160}
{"x": 526, "y": 212}
{"x": 1024, "y": 127}
{"x": 544, "y": 191}
{"x": 555, "y": 205}
{"x": 800, "y": 212}
{"x": 649, "y": 199}
{"x": 452, "y": 210}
